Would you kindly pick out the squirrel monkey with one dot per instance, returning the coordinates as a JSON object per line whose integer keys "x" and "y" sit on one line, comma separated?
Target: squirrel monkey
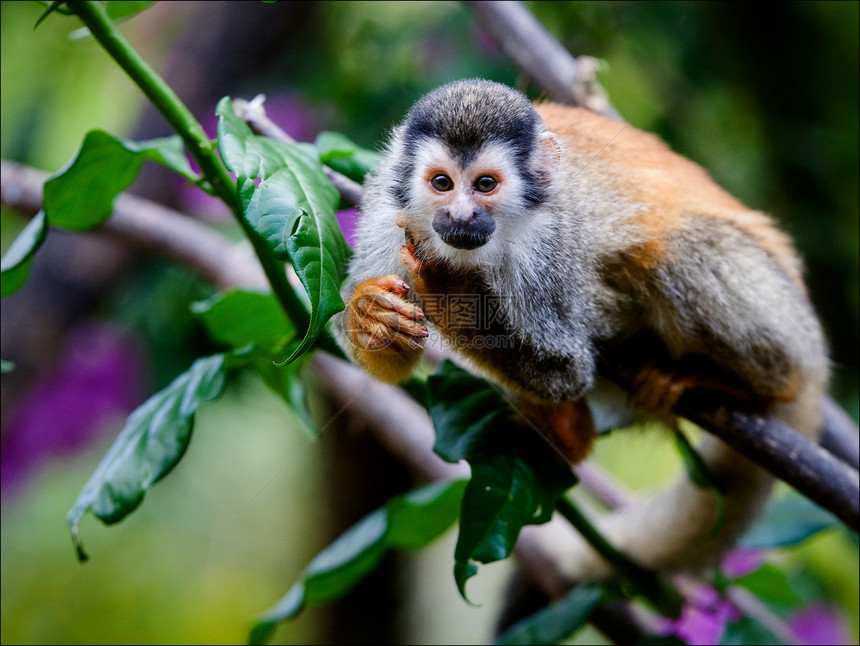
{"x": 540, "y": 241}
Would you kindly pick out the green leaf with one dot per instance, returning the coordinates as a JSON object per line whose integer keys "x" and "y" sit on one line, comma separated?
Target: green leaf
{"x": 81, "y": 195}
{"x": 701, "y": 477}
{"x": 409, "y": 521}
{"x": 150, "y": 444}
{"x": 242, "y": 317}
{"x": 459, "y": 427}
{"x": 338, "y": 152}
{"x": 238, "y": 317}
{"x": 787, "y": 521}
{"x": 747, "y": 632}
{"x": 124, "y": 9}
{"x": 17, "y": 260}
{"x": 559, "y": 620}
{"x": 417, "y": 518}
{"x": 770, "y": 583}
{"x": 516, "y": 476}
{"x": 288, "y": 201}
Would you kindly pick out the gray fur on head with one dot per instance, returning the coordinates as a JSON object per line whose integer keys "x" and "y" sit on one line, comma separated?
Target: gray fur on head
{"x": 465, "y": 116}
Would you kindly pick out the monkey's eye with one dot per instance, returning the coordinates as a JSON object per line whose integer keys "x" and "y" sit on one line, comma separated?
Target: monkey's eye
{"x": 486, "y": 183}
{"x": 442, "y": 183}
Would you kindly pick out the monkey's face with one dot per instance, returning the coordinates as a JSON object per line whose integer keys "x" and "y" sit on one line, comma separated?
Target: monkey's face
{"x": 461, "y": 205}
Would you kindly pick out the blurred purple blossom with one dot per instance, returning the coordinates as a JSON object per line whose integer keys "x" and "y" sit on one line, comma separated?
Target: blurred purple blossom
{"x": 820, "y": 624}
{"x": 98, "y": 378}
{"x": 703, "y": 618}
{"x": 348, "y": 221}
{"x": 742, "y": 561}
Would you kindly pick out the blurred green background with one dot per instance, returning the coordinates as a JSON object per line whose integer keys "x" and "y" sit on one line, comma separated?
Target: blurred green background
{"x": 766, "y": 101}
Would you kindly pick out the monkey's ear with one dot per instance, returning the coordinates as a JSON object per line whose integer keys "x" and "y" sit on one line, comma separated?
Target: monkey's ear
{"x": 549, "y": 150}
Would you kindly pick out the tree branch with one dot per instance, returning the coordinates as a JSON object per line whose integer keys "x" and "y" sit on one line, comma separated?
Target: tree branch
{"x": 392, "y": 417}
{"x": 147, "y": 226}
{"x": 801, "y": 463}
{"x": 527, "y": 42}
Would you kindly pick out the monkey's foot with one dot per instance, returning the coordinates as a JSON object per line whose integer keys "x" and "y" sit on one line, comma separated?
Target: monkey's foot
{"x": 568, "y": 425}
{"x": 657, "y": 388}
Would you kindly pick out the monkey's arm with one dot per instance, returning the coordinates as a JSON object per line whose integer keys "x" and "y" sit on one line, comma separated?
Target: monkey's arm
{"x": 380, "y": 329}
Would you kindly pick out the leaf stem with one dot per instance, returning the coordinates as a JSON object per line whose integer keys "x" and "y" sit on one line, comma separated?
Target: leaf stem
{"x": 199, "y": 146}
{"x": 664, "y": 598}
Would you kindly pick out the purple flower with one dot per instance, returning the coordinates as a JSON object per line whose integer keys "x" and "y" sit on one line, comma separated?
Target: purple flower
{"x": 820, "y": 624}
{"x": 742, "y": 561}
{"x": 703, "y": 618}
{"x": 97, "y": 381}
{"x": 348, "y": 220}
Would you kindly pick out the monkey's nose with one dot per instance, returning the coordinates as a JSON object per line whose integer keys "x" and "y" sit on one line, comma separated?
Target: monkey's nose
{"x": 464, "y": 233}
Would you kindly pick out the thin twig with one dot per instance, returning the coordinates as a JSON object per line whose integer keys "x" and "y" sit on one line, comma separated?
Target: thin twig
{"x": 254, "y": 114}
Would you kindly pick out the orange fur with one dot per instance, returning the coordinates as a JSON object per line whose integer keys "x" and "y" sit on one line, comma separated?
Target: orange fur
{"x": 644, "y": 169}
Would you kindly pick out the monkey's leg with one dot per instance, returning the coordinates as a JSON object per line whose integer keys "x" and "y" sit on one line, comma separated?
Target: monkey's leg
{"x": 658, "y": 385}
{"x": 568, "y": 425}
{"x": 385, "y": 330}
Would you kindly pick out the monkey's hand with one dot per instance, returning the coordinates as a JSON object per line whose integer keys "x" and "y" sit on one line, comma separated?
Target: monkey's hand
{"x": 385, "y": 330}
{"x": 434, "y": 282}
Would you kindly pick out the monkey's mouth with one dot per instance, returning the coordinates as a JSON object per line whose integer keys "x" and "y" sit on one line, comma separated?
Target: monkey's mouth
{"x": 464, "y": 235}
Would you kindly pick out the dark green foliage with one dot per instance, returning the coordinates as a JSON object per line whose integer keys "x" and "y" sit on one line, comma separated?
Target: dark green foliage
{"x": 559, "y": 620}
{"x": 150, "y": 444}
{"x": 287, "y": 200}
{"x": 516, "y": 476}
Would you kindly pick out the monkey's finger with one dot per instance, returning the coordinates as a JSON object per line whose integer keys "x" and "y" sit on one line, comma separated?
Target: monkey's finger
{"x": 394, "y": 284}
{"x": 401, "y": 324}
{"x": 372, "y": 301}
{"x": 408, "y": 258}
{"x": 381, "y": 337}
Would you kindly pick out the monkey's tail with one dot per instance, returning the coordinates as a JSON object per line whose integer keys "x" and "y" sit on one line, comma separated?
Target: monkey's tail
{"x": 687, "y": 527}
